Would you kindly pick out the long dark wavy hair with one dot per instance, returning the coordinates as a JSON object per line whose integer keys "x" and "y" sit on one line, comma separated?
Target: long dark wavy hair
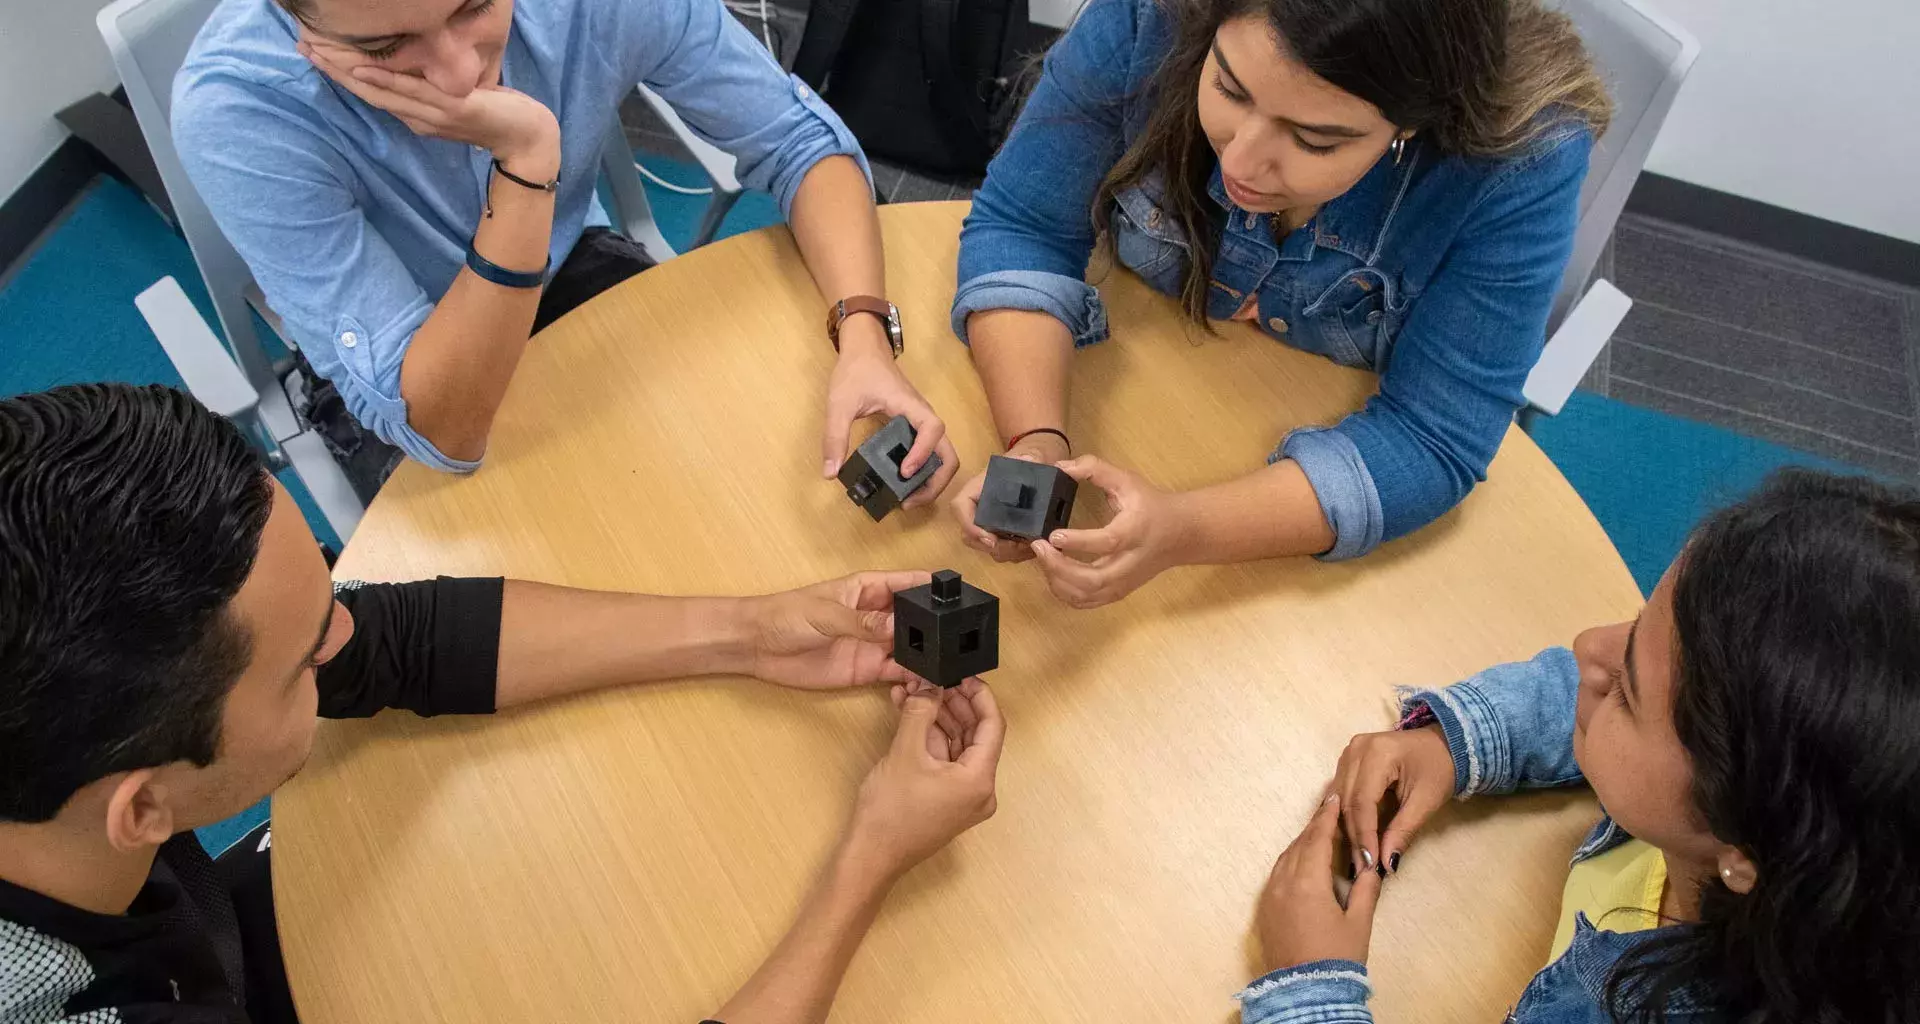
{"x": 1797, "y": 698}
{"x": 1472, "y": 77}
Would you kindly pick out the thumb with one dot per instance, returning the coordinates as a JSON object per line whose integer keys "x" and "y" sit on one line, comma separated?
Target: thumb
{"x": 1416, "y": 806}
{"x": 833, "y": 447}
{"x": 1096, "y": 471}
{"x": 917, "y": 715}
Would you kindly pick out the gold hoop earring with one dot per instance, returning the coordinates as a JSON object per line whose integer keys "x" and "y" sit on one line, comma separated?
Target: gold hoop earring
{"x": 1399, "y": 149}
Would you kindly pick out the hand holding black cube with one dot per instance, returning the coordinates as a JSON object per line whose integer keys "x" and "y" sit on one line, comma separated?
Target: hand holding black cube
{"x": 871, "y": 474}
{"x": 1024, "y": 500}
{"x": 946, "y": 630}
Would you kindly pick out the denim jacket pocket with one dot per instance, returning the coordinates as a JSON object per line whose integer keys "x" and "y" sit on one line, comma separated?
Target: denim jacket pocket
{"x": 1359, "y": 315}
{"x": 1146, "y": 241}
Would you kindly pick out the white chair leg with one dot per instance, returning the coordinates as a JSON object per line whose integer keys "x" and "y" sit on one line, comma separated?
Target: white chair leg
{"x": 325, "y": 481}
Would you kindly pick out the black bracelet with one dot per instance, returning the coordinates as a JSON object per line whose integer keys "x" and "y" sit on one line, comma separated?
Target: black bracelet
{"x": 1061, "y": 434}
{"x": 491, "y": 271}
{"x": 524, "y": 183}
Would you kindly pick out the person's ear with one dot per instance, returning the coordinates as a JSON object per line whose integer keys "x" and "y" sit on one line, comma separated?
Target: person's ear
{"x": 1737, "y": 871}
{"x": 139, "y": 812}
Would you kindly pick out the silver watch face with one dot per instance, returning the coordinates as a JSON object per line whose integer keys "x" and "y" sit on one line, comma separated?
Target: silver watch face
{"x": 895, "y": 337}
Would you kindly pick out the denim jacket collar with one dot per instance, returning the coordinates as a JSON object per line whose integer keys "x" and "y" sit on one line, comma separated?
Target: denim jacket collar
{"x": 1595, "y": 954}
{"x": 1355, "y": 222}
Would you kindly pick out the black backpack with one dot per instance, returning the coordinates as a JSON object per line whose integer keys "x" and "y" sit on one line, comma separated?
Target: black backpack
{"x": 926, "y": 83}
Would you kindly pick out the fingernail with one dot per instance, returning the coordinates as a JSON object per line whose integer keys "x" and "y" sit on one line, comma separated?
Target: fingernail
{"x": 1382, "y": 869}
{"x": 1393, "y": 863}
{"x": 1054, "y": 539}
{"x": 1331, "y": 797}
{"x": 1366, "y": 857}
{"x": 827, "y": 467}
{"x": 1353, "y": 873}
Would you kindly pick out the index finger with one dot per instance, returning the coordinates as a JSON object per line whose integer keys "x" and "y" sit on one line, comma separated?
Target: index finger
{"x": 937, "y": 483}
{"x": 1319, "y": 843}
{"x": 990, "y": 731}
{"x": 928, "y": 432}
{"x": 874, "y": 590}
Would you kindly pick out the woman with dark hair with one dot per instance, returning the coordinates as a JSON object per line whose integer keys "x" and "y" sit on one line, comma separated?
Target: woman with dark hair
{"x": 1392, "y": 184}
{"x": 1752, "y": 739}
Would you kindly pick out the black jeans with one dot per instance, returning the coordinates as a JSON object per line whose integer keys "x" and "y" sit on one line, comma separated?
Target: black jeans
{"x": 597, "y": 262}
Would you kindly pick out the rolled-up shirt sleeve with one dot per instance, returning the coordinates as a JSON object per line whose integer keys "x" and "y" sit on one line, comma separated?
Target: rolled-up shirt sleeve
{"x": 731, "y": 92}
{"x": 283, "y": 197}
{"x": 1448, "y": 396}
{"x": 1026, "y": 243}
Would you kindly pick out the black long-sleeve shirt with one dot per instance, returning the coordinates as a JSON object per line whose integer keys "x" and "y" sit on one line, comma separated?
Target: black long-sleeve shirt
{"x": 177, "y": 955}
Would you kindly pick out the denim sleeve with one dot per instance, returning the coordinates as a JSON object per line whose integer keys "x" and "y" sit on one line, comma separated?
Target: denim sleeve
{"x": 1471, "y": 337}
{"x": 1322, "y": 992}
{"x": 727, "y": 88}
{"x": 283, "y": 197}
{"x": 1511, "y": 726}
{"x": 1026, "y": 242}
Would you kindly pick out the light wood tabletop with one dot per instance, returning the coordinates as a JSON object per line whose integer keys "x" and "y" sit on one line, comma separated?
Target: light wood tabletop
{"x": 632, "y": 855}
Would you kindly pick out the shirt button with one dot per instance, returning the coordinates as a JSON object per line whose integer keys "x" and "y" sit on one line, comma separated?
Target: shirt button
{"x": 1252, "y": 219}
{"x": 802, "y": 90}
{"x": 1373, "y": 317}
{"x": 1278, "y": 325}
{"x": 349, "y": 339}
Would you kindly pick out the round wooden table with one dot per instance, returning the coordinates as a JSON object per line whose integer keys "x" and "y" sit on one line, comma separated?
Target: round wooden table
{"x": 632, "y": 855}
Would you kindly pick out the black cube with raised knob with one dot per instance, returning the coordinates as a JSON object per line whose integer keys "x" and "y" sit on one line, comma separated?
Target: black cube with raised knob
{"x": 871, "y": 474}
{"x": 1024, "y": 500}
{"x": 946, "y": 630}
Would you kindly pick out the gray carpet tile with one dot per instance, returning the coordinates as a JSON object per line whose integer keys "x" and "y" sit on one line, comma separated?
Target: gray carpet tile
{"x": 1765, "y": 344}
{"x": 1663, "y": 266}
{"x": 1785, "y": 367}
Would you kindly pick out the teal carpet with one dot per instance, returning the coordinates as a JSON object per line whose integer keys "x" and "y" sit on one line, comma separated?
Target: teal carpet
{"x": 68, "y": 316}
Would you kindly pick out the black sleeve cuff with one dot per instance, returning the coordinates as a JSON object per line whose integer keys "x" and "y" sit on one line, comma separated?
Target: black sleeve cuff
{"x": 431, "y": 647}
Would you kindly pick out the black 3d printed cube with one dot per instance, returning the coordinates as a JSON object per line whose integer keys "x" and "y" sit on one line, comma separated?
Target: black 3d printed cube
{"x": 871, "y": 474}
{"x": 946, "y": 630}
{"x": 1026, "y": 500}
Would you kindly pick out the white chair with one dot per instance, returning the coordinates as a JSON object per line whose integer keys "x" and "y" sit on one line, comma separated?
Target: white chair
{"x": 148, "y": 40}
{"x": 718, "y": 165}
{"x": 1644, "y": 58}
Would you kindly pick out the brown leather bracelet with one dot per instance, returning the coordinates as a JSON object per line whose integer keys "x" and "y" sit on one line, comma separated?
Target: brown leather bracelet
{"x": 1061, "y": 434}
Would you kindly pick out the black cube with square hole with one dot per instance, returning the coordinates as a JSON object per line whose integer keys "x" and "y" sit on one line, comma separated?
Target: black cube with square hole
{"x": 871, "y": 474}
{"x": 946, "y": 630}
{"x": 1024, "y": 500}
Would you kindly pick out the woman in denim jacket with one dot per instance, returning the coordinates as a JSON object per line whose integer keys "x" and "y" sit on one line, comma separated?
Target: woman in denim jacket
{"x": 1392, "y": 184}
{"x": 1752, "y": 738}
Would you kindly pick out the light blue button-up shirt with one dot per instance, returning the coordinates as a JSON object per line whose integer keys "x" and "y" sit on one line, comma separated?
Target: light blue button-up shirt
{"x": 355, "y": 227}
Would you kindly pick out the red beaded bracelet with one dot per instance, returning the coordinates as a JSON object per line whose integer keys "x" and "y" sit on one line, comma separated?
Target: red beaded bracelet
{"x": 1061, "y": 434}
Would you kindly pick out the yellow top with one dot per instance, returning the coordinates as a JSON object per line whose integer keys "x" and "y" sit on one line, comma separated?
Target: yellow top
{"x": 1619, "y": 891}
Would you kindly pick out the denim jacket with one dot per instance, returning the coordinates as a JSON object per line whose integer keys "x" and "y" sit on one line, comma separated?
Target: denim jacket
{"x": 1436, "y": 272}
{"x": 1508, "y": 728}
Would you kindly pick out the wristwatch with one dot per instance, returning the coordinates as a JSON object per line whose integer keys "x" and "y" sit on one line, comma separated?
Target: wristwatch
{"x": 888, "y": 313}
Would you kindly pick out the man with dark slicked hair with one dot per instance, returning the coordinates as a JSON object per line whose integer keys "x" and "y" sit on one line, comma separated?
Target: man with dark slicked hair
{"x": 169, "y": 633}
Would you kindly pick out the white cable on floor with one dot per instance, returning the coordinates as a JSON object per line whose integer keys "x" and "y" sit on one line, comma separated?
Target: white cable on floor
{"x": 668, "y": 185}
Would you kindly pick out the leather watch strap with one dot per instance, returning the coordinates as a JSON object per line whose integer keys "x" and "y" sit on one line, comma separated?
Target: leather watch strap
{"x": 889, "y": 317}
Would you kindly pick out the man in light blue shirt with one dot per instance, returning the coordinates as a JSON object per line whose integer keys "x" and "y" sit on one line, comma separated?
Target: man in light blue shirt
{"x": 404, "y": 178}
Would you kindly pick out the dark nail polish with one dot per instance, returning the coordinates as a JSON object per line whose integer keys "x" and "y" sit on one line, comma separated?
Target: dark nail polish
{"x": 1382, "y": 869}
{"x": 1353, "y": 873}
{"x": 1393, "y": 863}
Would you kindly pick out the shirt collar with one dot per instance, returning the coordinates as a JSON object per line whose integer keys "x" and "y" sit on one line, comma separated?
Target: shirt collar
{"x": 1354, "y": 222}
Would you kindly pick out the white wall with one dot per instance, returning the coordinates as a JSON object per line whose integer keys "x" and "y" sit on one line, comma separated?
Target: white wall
{"x": 1813, "y": 105}
{"x": 50, "y": 56}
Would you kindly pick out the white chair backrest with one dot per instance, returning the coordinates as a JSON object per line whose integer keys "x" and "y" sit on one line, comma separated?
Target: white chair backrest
{"x": 1644, "y": 58}
{"x": 148, "y": 40}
